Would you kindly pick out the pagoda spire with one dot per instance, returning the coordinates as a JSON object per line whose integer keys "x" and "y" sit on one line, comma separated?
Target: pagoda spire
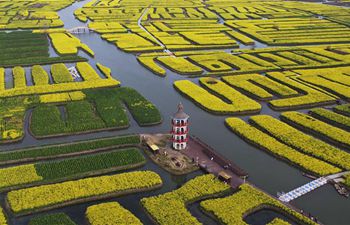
{"x": 180, "y": 128}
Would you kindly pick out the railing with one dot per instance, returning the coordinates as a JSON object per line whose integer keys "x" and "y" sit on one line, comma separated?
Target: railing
{"x": 180, "y": 124}
{"x": 180, "y": 140}
{"x": 80, "y": 30}
{"x": 220, "y": 159}
{"x": 179, "y": 132}
{"x": 73, "y": 71}
{"x": 306, "y": 188}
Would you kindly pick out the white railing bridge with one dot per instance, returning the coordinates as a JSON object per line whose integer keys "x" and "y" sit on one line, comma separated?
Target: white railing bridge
{"x": 73, "y": 71}
{"x": 80, "y": 30}
{"x": 306, "y": 188}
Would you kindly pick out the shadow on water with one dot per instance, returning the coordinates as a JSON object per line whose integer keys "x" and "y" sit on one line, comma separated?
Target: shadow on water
{"x": 266, "y": 172}
{"x": 265, "y": 216}
{"x": 202, "y": 217}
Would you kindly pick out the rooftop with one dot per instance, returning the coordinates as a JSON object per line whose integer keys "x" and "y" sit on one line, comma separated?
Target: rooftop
{"x": 180, "y": 114}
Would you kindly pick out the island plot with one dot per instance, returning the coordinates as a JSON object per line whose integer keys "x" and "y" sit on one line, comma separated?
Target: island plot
{"x": 229, "y": 210}
{"x": 31, "y": 14}
{"x": 63, "y": 102}
{"x": 60, "y": 100}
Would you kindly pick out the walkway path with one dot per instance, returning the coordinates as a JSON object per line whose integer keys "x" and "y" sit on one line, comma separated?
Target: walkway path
{"x": 337, "y": 175}
{"x": 306, "y": 188}
{"x": 212, "y": 162}
{"x": 80, "y": 30}
{"x": 73, "y": 71}
{"x": 139, "y": 23}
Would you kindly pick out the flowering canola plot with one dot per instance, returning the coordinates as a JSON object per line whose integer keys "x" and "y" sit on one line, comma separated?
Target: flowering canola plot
{"x": 231, "y": 210}
{"x": 236, "y": 103}
{"x": 86, "y": 111}
{"x": 3, "y": 219}
{"x": 17, "y": 14}
{"x": 336, "y": 119}
{"x": 63, "y": 81}
{"x": 16, "y": 100}
{"x": 110, "y": 213}
{"x": 323, "y": 152}
{"x": 273, "y": 146}
{"x": 293, "y": 31}
{"x": 153, "y": 25}
{"x": 282, "y": 90}
{"x": 170, "y": 208}
{"x": 43, "y": 172}
{"x": 192, "y": 25}
{"x": 301, "y": 141}
{"x": 65, "y": 43}
{"x": 319, "y": 128}
{"x": 52, "y": 195}
{"x": 12, "y": 112}
{"x": 240, "y": 61}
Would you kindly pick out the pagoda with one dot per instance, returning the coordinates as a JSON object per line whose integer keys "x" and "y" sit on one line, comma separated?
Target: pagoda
{"x": 179, "y": 130}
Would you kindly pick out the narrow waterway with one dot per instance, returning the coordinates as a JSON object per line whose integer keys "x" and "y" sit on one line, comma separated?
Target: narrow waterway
{"x": 264, "y": 171}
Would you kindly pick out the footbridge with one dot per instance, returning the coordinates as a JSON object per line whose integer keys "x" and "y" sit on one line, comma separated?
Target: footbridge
{"x": 155, "y": 39}
{"x": 73, "y": 71}
{"x": 306, "y": 188}
{"x": 80, "y": 30}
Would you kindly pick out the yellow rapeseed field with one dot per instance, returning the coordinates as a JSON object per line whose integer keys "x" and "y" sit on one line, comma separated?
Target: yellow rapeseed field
{"x": 52, "y": 194}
